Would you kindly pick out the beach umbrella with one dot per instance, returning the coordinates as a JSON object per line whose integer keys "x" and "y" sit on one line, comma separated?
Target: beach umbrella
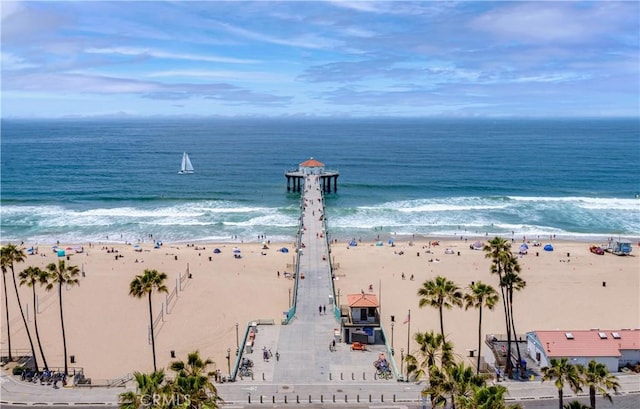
{"x": 31, "y": 251}
{"x": 60, "y": 253}
{"x": 524, "y": 246}
{"x": 284, "y": 250}
{"x": 217, "y": 251}
{"x": 390, "y": 241}
{"x": 378, "y": 243}
{"x": 236, "y": 250}
{"x": 477, "y": 245}
{"x": 353, "y": 243}
{"x": 548, "y": 247}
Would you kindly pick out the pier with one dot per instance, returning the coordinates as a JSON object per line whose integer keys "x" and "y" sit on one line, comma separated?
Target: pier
{"x": 309, "y": 345}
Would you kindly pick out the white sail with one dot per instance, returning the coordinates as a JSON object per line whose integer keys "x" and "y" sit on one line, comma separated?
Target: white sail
{"x": 186, "y": 166}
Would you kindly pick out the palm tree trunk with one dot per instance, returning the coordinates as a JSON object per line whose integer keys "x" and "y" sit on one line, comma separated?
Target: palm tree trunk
{"x": 507, "y": 367}
{"x": 153, "y": 340}
{"x": 479, "y": 339}
{"x": 441, "y": 322}
{"x": 592, "y": 396}
{"x": 35, "y": 323}
{"x": 560, "y": 398}
{"x": 6, "y": 310}
{"x": 24, "y": 319}
{"x": 64, "y": 338}
{"x": 513, "y": 327}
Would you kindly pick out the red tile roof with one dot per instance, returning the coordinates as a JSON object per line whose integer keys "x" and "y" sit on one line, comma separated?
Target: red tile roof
{"x": 362, "y": 300}
{"x": 312, "y": 163}
{"x": 588, "y": 343}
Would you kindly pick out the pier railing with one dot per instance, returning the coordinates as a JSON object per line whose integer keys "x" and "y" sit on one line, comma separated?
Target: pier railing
{"x": 298, "y": 245}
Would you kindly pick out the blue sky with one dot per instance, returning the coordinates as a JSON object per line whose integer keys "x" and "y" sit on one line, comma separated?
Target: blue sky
{"x": 326, "y": 58}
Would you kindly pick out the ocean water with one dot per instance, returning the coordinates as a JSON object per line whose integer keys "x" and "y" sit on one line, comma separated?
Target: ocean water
{"x": 115, "y": 180}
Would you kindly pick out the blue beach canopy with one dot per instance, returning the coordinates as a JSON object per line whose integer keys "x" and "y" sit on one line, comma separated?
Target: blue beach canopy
{"x": 353, "y": 243}
{"x": 284, "y": 250}
{"x": 548, "y": 247}
{"x": 61, "y": 253}
{"x": 217, "y": 251}
{"x": 390, "y": 241}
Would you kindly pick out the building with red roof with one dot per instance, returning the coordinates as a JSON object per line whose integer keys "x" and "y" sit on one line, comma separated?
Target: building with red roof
{"x": 362, "y": 324}
{"x": 310, "y": 168}
{"x": 613, "y": 348}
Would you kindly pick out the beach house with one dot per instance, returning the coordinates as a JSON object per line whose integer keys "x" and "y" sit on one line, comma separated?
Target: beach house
{"x": 613, "y": 348}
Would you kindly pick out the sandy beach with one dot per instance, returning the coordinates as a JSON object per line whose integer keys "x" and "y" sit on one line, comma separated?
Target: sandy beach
{"x": 107, "y": 330}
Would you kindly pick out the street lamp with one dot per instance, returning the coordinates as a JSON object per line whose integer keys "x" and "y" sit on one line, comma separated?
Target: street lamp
{"x": 392, "y": 351}
{"x": 229, "y": 361}
{"x": 237, "y": 341}
{"x": 402, "y": 361}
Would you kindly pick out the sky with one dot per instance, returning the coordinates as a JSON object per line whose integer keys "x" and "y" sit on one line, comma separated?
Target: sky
{"x": 320, "y": 59}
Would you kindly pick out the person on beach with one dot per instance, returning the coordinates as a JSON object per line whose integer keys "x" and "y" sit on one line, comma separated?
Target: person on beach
{"x": 320, "y": 310}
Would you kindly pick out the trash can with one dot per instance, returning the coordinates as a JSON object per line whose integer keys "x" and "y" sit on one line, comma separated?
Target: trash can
{"x": 330, "y": 299}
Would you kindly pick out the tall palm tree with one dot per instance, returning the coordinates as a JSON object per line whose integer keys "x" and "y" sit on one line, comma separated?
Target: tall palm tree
{"x": 5, "y": 270}
{"x": 480, "y": 295}
{"x": 194, "y": 383}
{"x": 143, "y": 285}
{"x": 497, "y": 250}
{"x": 512, "y": 281}
{"x": 30, "y": 277}
{"x": 9, "y": 255}
{"x": 598, "y": 378}
{"x": 61, "y": 274}
{"x": 440, "y": 293}
{"x": 148, "y": 388}
{"x": 561, "y": 372}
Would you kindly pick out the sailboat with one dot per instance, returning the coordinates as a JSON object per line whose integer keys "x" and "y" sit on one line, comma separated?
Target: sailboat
{"x": 186, "y": 166}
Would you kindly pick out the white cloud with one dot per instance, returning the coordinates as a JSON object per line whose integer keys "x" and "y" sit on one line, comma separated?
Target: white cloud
{"x": 148, "y": 52}
{"x": 12, "y": 62}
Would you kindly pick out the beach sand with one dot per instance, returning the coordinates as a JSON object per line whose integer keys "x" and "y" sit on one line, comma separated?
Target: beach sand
{"x": 107, "y": 330}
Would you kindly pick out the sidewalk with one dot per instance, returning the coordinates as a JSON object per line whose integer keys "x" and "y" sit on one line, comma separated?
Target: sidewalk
{"x": 15, "y": 391}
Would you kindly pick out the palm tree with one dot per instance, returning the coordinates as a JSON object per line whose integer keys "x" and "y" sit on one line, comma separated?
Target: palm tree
{"x": 497, "y": 250}
{"x": 561, "y": 372}
{"x": 461, "y": 382}
{"x": 440, "y": 293}
{"x": 9, "y": 255}
{"x": 148, "y": 388}
{"x": 480, "y": 295}
{"x": 193, "y": 383}
{"x": 433, "y": 351}
{"x": 598, "y": 378}
{"x": 30, "y": 277}
{"x": 484, "y": 397}
{"x": 62, "y": 274}
{"x": 144, "y": 285}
